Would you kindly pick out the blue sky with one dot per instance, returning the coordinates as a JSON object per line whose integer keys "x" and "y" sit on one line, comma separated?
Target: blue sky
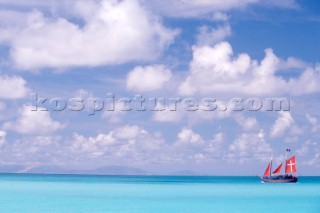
{"x": 173, "y": 49}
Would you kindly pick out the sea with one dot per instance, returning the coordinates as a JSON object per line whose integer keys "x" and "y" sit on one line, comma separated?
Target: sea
{"x": 151, "y": 194}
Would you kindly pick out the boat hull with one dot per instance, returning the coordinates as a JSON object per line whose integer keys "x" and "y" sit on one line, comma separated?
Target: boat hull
{"x": 279, "y": 179}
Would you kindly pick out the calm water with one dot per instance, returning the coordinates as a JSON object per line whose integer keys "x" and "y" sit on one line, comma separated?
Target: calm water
{"x": 79, "y": 193}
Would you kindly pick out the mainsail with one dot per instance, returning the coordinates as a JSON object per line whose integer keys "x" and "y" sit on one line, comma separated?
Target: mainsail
{"x": 291, "y": 165}
{"x": 268, "y": 170}
{"x": 278, "y": 170}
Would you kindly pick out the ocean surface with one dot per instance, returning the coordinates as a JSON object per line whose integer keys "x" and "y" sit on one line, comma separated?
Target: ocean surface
{"x": 151, "y": 194}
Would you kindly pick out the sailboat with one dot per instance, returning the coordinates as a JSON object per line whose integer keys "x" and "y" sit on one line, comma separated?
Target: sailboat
{"x": 277, "y": 177}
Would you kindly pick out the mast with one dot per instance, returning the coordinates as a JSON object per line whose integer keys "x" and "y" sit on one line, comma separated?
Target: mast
{"x": 270, "y": 165}
{"x": 287, "y": 150}
{"x": 268, "y": 171}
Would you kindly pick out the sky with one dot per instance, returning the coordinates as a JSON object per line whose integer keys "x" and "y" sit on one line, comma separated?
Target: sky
{"x": 208, "y": 87}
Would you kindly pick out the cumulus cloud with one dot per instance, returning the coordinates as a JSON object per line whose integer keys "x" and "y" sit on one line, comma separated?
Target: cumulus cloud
{"x": 283, "y": 123}
{"x": 91, "y": 145}
{"x": 215, "y": 69}
{"x": 129, "y": 145}
{"x": 314, "y": 161}
{"x": 2, "y": 106}
{"x": 149, "y": 78}
{"x": 247, "y": 123}
{"x": 203, "y": 111}
{"x": 190, "y": 8}
{"x": 21, "y": 3}
{"x": 220, "y": 16}
{"x": 34, "y": 150}
{"x": 189, "y": 150}
{"x": 3, "y": 135}
{"x": 306, "y": 148}
{"x": 12, "y": 87}
{"x": 261, "y": 134}
{"x": 33, "y": 122}
{"x": 188, "y": 136}
{"x": 178, "y": 8}
{"x": 121, "y": 145}
{"x": 10, "y": 18}
{"x": 167, "y": 116}
{"x": 248, "y": 146}
{"x": 200, "y": 8}
{"x": 115, "y": 114}
{"x": 314, "y": 122}
{"x": 190, "y": 146}
{"x": 129, "y": 132}
{"x": 211, "y": 36}
{"x": 133, "y": 145}
{"x": 115, "y": 32}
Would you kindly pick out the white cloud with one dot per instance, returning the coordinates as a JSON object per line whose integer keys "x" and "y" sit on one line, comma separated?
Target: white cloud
{"x": 34, "y": 150}
{"x": 181, "y": 111}
{"x": 247, "y": 123}
{"x": 212, "y": 70}
{"x": 115, "y": 32}
{"x": 30, "y": 3}
{"x": 191, "y": 147}
{"x": 222, "y": 112}
{"x": 168, "y": 115}
{"x": 216, "y": 70}
{"x": 129, "y": 132}
{"x": 83, "y": 94}
{"x": 296, "y": 131}
{"x": 188, "y": 136}
{"x": 211, "y": 36}
{"x": 149, "y": 78}
{"x": 177, "y": 8}
{"x": 129, "y": 144}
{"x": 33, "y": 122}
{"x": 283, "y": 123}
{"x": 92, "y": 145}
{"x": 317, "y": 67}
{"x": 307, "y": 147}
{"x": 10, "y": 18}
{"x": 315, "y": 161}
{"x": 12, "y": 87}
{"x": 3, "y": 135}
{"x": 114, "y": 112}
{"x": 314, "y": 122}
{"x": 220, "y": 16}
{"x": 199, "y": 8}
{"x": 248, "y": 147}
{"x": 2, "y": 106}
{"x": 292, "y": 62}
{"x": 261, "y": 134}
{"x": 141, "y": 148}
{"x": 307, "y": 83}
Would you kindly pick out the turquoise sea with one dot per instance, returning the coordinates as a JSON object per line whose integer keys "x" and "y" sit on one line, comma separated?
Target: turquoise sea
{"x": 83, "y": 193}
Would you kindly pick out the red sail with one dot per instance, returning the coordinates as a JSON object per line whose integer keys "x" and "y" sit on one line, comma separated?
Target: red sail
{"x": 268, "y": 170}
{"x": 291, "y": 165}
{"x": 278, "y": 170}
